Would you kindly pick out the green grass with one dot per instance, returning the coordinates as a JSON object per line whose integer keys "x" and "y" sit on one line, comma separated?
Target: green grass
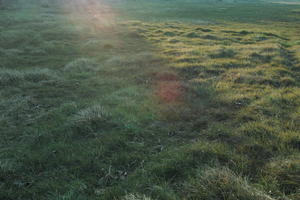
{"x": 141, "y": 100}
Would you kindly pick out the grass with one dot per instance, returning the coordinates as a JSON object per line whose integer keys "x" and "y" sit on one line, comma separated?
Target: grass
{"x": 149, "y": 100}
{"x": 81, "y": 65}
{"x": 213, "y": 183}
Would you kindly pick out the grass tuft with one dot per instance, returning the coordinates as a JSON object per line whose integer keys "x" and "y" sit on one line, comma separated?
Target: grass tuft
{"x": 287, "y": 174}
{"x": 91, "y": 120}
{"x": 223, "y": 53}
{"x": 192, "y": 35}
{"x": 10, "y": 77}
{"x": 222, "y": 183}
{"x": 38, "y": 75}
{"x": 81, "y": 65}
{"x": 136, "y": 197}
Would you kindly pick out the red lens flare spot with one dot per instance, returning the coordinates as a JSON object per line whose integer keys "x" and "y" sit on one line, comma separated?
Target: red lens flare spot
{"x": 168, "y": 87}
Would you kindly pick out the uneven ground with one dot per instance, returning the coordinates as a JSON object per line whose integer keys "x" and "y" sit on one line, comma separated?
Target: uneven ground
{"x": 149, "y": 100}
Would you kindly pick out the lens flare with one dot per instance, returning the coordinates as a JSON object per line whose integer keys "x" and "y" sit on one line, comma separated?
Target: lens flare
{"x": 93, "y": 13}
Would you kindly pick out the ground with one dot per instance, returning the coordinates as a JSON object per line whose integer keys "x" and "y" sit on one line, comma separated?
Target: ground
{"x": 141, "y": 100}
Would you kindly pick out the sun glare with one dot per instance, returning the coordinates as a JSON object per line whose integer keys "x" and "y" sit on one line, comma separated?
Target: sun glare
{"x": 96, "y": 14}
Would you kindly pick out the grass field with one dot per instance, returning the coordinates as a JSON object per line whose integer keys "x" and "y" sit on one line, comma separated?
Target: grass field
{"x": 146, "y": 100}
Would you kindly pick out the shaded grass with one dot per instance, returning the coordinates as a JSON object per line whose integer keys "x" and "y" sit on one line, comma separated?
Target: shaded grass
{"x": 83, "y": 115}
{"x": 11, "y": 77}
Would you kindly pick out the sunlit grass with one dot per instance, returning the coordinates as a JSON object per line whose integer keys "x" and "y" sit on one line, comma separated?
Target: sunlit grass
{"x": 186, "y": 101}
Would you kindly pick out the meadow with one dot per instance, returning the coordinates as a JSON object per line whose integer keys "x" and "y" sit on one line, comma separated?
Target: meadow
{"x": 149, "y": 100}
